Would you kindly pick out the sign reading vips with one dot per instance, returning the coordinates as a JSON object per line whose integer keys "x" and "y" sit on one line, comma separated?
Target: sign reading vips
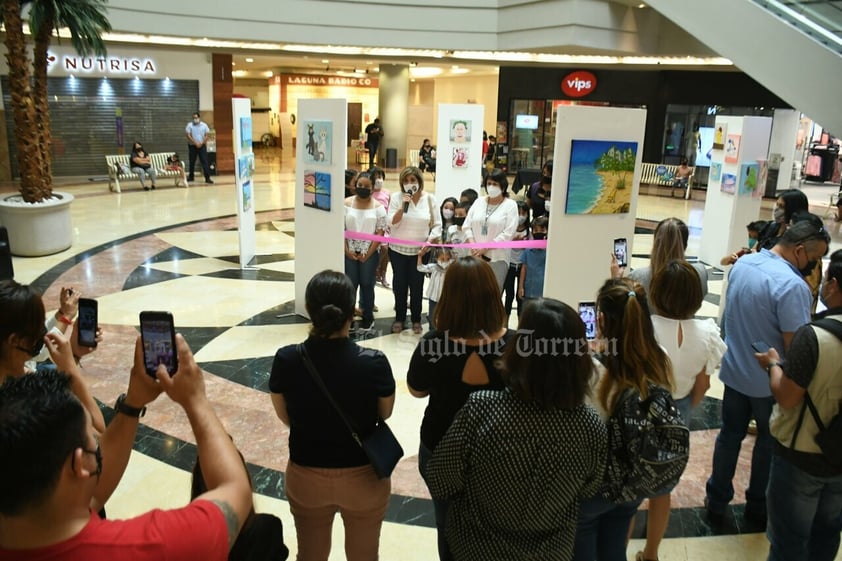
{"x": 578, "y": 84}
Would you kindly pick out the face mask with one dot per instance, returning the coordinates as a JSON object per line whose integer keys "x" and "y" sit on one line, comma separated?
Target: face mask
{"x": 822, "y": 297}
{"x": 37, "y": 344}
{"x": 363, "y": 192}
{"x": 196, "y": 121}
{"x": 411, "y": 188}
{"x": 547, "y": 206}
{"x": 459, "y": 220}
{"x": 521, "y": 220}
{"x": 546, "y": 180}
{"x": 494, "y": 191}
{"x": 539, "y": 236}
{"x": 778, "y": 214}
{"x": 808, "y": 268}
{"x": 751, "y": 243}
{"x": 444, "y": 264}
{"x": 378, "y": 184}
{"x": 447, "y": 213}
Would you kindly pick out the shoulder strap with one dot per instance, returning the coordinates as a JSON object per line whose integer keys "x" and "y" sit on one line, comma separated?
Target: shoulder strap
{"x": 320, "y": 383}
{"x": 830, "y": 325}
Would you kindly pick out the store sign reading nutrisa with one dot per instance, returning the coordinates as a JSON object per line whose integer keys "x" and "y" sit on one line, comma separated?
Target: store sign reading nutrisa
{"x": 578, "y": 84}
{"x": 103, "y": 65}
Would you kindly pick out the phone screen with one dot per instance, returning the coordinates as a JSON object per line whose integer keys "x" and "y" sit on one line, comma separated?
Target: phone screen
{"x": 587, "y": 311}
{"x": 157, "y": 333}
{"x": 760, "y": 347}
{"x": 87, "y": 322}
{"x": 621, "y": 251}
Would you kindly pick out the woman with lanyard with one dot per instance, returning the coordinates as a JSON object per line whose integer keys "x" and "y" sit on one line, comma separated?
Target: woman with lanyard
{"x": 493, "y": 219}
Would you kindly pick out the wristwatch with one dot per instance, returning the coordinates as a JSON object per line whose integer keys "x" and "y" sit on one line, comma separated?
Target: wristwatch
{"x": 122, "y": 407}
{"x": 770, "y": 366}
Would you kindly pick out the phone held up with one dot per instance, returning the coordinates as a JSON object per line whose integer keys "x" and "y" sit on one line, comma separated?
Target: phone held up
{"x": 760, "y": 347}
{"x": 587, "y": 311}
{"x": 87, "y": 323}
{"x": 621, "y": 252}
{"x": 157, "y": 334}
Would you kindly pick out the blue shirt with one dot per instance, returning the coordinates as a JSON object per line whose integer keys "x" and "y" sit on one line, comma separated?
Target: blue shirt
{"x": 198, "y": 132}
{"x": 766, "y": 297}
{"x": 536, "y": 262}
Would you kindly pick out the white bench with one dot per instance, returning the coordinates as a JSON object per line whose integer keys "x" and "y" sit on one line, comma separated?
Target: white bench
{"x": 116, "y": 162}
{"x": 649, "y": 174}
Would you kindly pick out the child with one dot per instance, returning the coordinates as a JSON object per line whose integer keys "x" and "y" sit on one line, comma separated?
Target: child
{"x": 533, "y": 264}
{"x": 436, "y": 270}
{"x": 468, "y": 196}
{"x": 454, "y": 233}
{"x": 174, "y": 164}
{"x": 522, "y": 233}
{"x": 448, "y": 211}
{"x": 382, "y": 196}
{"x": 754, "y": 229}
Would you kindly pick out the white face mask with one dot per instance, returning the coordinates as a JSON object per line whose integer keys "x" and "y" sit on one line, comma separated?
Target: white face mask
{"x": 494, "y": 191}
{"x": 411, "y": 188}
{"x": 447, "y": 213}
{"x": 521, "y": 219}
{"x": 196, "y": 121}
{"x": 444, "y": 264}
{"x": 378, "y": 184}
{"x": 547, "y": 206}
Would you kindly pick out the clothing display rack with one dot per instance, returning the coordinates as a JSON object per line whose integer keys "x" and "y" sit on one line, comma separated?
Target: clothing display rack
{"x": 822, "y": 161}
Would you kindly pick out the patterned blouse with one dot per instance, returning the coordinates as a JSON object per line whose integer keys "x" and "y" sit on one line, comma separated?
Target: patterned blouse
{"x": 514, "y": 474}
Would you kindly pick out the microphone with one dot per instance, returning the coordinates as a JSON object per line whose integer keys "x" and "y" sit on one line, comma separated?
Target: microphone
{"x": 406, "y": 207}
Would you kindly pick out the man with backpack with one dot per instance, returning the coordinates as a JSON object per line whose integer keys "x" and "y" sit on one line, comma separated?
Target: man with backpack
{"x": 767, "y": 301}
{"x": 804, "y": 498}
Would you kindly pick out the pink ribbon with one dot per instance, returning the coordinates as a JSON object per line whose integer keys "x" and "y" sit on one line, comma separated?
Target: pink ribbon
{"x": 513, "y": 244}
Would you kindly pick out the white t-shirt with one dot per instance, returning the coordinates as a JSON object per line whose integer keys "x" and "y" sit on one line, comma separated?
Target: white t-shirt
{"x": 701, "y": 347}
{"x": 421, "y": 223}
{"x": 365, "y": 220}
{"x": 490, "y": 224}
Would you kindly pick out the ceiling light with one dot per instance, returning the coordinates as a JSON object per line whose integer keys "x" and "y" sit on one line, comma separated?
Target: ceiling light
{"x": 239, "y": 73}
{"x": 376, "y": 69}
{"x": 424, "y": 71}
{"x": 249, "y": 59}
{"x": 268, "y": 73}
{"x": 457, "y": 70}
{"x": 325, "y": 61}
{"x": 641, "y": 5}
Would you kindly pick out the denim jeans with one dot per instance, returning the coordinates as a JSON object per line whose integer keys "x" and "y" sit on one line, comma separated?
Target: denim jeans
{"x": 737, "y": 411}
{"x": 602, "y": 530}
{"x": 805, "y": 513}
{"x": 362, "y": 275}
{"x": 406, "y": 279}
{"x": 430, "y": 312}
{"x": 439, "y": 505}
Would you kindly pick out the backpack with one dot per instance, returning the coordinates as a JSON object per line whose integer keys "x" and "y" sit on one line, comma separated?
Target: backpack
{"x": 648, "y": 446}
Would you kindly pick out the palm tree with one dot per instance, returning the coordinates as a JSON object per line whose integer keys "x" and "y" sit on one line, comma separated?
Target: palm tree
{"x": 86, "y": 21}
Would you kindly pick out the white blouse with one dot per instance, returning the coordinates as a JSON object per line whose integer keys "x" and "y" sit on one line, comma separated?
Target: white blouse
{"x": 365, "y": 220}
{"x": 701, "y": 347}
{"x": 421, "y": 223}
{"x": 492, "y": 224}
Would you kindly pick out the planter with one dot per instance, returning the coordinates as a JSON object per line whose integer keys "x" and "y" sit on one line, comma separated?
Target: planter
{"x": 37, "y": 229}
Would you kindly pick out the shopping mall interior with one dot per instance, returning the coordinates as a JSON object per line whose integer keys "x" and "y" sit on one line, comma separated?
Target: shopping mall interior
{"x": 178, "y": 249}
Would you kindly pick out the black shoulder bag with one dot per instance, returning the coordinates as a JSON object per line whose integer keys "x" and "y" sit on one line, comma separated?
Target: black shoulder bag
{"x": 828, "y": 437}
{"x": 382, "y": 448}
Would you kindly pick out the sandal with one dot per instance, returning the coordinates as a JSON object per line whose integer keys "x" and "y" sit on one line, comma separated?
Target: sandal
{"x": 397, "y": 327}
{"x": 358, "y": 312}
{"x": 417, "y": 328}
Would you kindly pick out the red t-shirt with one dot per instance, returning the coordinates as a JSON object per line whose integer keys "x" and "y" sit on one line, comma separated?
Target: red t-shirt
{"x": 197, "y": 531}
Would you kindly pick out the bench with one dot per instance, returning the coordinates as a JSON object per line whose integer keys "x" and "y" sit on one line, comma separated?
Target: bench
{"x": 664, "y": 174}
{"x": 116, "y": 162}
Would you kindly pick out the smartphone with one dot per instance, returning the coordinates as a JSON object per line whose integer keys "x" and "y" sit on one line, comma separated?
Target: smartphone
{"x": 587, "y": 311}
{"x": 157, "y": 334}
{"x": 621, "y": 252}
{"x": 760, "y": 347}
{"x": 87, "y": 322}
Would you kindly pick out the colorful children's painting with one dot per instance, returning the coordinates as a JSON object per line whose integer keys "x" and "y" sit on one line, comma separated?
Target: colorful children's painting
{"x": 317, "y": 190}
{"x": 245, "y": 167}
{"x": 748, "y": 179}
{"x": 460, "y": 157}
{"x": 245, "y": 134}
{"x": 715, "y": 171}
{"x": 729, "y": 183}
{"x": 318, "y": 135}
{"x": 762, "y": 176}
{"x": 601, "y": 177}
{"x": 719, "y": 134}
{"x": 732, "y": 149}
{"x": 247, "y": 196}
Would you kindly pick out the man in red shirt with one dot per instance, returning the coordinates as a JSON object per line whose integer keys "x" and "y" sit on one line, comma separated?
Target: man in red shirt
{"x": 55, "y": 475}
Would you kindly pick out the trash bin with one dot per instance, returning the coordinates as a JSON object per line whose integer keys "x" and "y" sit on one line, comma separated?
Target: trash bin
{"x": 391, "y": 158}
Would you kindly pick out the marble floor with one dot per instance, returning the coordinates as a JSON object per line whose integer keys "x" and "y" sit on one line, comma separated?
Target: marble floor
{"x": 176, "y": 249}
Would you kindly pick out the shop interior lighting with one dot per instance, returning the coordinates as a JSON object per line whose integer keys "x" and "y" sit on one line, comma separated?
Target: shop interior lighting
{"x": 424, "y": 71}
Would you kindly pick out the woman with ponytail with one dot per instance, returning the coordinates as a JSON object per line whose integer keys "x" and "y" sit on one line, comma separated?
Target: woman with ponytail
{"x": 328, "y": 471}
{"x": 630, "y": 358}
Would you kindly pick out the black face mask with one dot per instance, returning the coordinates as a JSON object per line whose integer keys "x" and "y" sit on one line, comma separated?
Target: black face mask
{"x": 539, "y": 236}
{"x": 458, "y": 220}
{"x": 546, "y": 180}
{"x": 363, "y": 192}
{"x": 808, "y": 268}
{"x": 37, "y": 344}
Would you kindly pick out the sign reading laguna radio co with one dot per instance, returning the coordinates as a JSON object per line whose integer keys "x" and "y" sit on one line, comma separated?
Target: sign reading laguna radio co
{"x": 114, "y": 65}
{"x": 361, "y": 81}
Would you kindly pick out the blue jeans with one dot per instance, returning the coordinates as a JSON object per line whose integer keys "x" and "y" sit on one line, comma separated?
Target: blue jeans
{"x": 430, "y": 312}
{"x": 202, "y": 154}
{"x": 737, "y": 411}
{"x": 805, "y": 514}
{"x": 439, "y": 505}
{"x": 406, "y": 279}
{"x": 362, "y": 276}
{"x": 685, "y": 407}
{"x": 602, "y": 530}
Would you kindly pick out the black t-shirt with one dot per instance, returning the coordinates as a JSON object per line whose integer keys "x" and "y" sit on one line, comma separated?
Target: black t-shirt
{"x": 139, "y": 154}
{"x": 373, "y": 133}
{"x": 355, "y": 376}
{"x": 537, "y": 198}
{"x": 436, "y": 367}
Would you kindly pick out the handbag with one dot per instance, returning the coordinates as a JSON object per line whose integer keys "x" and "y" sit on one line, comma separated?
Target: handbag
{"x": 381, "y": 447}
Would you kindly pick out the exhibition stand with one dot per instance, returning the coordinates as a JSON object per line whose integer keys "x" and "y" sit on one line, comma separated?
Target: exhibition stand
{"x": 458, "y": 149}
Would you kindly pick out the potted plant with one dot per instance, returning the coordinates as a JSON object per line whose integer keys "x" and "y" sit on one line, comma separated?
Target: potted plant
{"x": 38, "y": 219}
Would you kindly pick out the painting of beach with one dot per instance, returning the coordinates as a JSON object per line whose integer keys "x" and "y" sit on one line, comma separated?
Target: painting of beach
{"x": 601, "y": 176}
{"x": 317, "y": 190}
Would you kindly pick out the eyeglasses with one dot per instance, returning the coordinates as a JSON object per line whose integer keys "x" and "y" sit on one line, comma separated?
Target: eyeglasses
{"x": 97, "y": 453}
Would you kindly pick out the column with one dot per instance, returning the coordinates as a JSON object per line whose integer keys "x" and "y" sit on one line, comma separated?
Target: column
{"x": 223, "y": 118}
{"x": 394, "y": 110}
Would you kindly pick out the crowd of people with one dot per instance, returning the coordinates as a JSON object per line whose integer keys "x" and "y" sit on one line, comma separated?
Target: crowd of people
{"x": 509, "y": 428}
